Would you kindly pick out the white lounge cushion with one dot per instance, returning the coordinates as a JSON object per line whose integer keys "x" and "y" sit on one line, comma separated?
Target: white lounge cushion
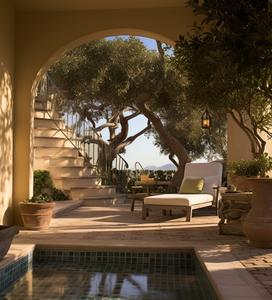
{"x": 178, "y": 199}
{"x": 209, "y": 183}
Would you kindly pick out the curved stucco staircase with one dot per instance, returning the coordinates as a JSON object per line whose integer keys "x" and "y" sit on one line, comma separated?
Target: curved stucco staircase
{"x": 55, "y": 153}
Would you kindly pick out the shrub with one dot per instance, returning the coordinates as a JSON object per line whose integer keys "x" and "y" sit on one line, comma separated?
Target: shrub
{"x": 42, "y": 181}
{"x": 252, "y": 167}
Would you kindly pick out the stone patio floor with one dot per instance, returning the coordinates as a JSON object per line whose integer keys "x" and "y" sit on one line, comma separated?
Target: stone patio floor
{"x": 237, "y": 270}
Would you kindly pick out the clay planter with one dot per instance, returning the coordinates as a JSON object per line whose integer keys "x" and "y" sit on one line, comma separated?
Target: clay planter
{"x": 6, "y": 235}
{"x": 36, "y": 215}
{"x": 241, "y": 183}
{"x": 258, "y": 223}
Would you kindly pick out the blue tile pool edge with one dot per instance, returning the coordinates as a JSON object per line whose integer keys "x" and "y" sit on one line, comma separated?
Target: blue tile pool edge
{"x": 17, "y": 269}
{"x": 206, "y": 278}
{"x": 14, "y": 271}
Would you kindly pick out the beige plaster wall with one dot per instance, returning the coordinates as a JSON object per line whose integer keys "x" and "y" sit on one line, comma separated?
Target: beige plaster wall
{"x": 6, "y": 110}
{"x": 239, "y": 145}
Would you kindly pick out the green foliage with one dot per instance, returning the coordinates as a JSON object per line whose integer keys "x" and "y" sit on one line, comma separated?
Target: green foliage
{"x": 117, "y": 178}
{"x": 102, "y": 70}
{"x": 59, "y": 195}
{"x": 158, "y": 175}
{"x": 42, "y": 181}
{"x": 254, "y": 167}
{"x": 112, "y": 74}
{"x": 228, "y": 63}
{"x": 42, "y": 198}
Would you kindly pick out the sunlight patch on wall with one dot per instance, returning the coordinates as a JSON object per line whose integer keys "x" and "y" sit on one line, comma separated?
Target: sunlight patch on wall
{"x": 6, "y": 141}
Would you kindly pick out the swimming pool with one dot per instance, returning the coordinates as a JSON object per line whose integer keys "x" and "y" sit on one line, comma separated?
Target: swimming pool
{"x": 111, "y": 275}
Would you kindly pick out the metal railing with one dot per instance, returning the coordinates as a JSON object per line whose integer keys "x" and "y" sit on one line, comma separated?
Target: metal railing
{"x": 68, "y": 115}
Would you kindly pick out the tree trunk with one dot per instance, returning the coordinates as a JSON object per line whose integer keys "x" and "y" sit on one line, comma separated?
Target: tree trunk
{"x": 173, "y": 143}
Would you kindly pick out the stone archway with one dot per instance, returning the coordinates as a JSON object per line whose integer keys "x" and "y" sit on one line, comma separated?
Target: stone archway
{"x": 24, "y": 114}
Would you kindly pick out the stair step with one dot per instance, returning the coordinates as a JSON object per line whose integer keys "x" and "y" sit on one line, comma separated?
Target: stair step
{"x": 100, "y": 187}
{"x": 38, "y": 105}
{"x": 45, "y": 128}
{"x": 52, "y": 123}
{"x": 64, "y": 162}
{"x": 71, "y": 171}
{"x": 52, "y": 141}
{"x": 76, "y": 177}
{"x": 48, "y": 132}
{"x": 41, "y": 109}
{"x": 103, "y": 200}
{"x": 41, "y": 113}
{"x": 65, "y": 206}
{"x": 55, "y": 152}
{"x": 77, "y": 193}
{"x": 78, "y": 181}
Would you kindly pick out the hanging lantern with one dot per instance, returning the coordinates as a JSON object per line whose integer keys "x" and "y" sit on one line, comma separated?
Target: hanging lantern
{"x": 206, "y": 120}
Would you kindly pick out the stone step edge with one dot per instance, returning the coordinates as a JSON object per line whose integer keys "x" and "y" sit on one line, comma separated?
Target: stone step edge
{"x": 42, "y": 109}
{"x": 71, "y": 167}
{"x": 47, "y": 128}
{"x": 56, "y": 147}
{"x": 94, "y": 187}
{"x": 98, "y": 198}
{"x": 116, "y": 196}
{"x": 48, "y": 119}
{"x": 50, "y": 137}
{"x": 78, "y": 177}
{"x": 58, "y": 138}
{"x": 64, "y": 206}
{"x": 59, "y": 157}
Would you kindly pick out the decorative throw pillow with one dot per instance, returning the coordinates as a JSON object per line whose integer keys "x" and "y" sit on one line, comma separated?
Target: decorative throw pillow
{"x": 192, "y": 185}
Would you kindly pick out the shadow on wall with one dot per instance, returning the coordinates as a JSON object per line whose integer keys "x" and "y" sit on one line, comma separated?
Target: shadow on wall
{"x": 6, "y": 149}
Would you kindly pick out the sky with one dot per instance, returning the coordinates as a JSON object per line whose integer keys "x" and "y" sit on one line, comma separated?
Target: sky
{"x": 142, "y": 149}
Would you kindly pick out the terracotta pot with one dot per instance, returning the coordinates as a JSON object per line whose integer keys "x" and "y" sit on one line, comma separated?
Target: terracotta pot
{"x": 242, "y": 183}
{"x": 36, "y": 215}
{"x": 258, "y": 223}
{"x": 6, "y": 235}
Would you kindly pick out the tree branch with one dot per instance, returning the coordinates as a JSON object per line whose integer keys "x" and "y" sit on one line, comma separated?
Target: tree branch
{"x": 131, "y": 139}
{"x": 106, "y": 125}
{"x": 135, "y": 114}
{"x": 172, "y": 143}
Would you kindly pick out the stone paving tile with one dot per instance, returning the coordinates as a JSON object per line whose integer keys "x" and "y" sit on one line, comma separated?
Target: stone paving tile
{"x": 118, "y": 226}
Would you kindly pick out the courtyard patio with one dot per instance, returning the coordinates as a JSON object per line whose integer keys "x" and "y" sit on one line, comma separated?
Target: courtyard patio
{"x": 238, "y": 270}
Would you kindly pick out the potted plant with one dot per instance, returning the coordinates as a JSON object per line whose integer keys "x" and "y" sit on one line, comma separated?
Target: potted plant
{"x": 239, "y": 171}
{"x": 37, "y": 211}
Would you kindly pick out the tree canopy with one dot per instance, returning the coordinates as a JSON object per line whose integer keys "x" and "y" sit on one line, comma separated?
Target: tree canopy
{"x": 229, "y": 65}
{"x": 117, "y": 80}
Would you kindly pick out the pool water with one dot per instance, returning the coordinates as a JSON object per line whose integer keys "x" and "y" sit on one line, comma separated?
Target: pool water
{"x": 149, "y": 276}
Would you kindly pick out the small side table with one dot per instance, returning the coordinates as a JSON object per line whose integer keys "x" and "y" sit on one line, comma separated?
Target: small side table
{"x": 233, "y": 211}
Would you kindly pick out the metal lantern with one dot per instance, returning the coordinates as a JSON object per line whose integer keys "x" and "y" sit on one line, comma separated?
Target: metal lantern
{"x": 206, "y": 120}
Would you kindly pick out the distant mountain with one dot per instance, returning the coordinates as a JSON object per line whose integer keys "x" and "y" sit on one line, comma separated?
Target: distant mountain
{"x": 164, "y": 167}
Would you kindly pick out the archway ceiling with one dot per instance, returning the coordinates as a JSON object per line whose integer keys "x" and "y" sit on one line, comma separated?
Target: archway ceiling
{"x": 77, "y": 5}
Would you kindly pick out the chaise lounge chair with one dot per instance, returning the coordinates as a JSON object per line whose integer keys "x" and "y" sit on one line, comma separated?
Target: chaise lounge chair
{"x": 191, "y": 194}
